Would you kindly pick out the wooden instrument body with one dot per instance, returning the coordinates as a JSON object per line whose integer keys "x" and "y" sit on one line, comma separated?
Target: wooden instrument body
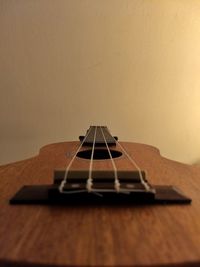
{"x": 99, "y": 235}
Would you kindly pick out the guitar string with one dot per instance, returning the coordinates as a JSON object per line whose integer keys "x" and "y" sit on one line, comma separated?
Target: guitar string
{"x": 115, "y": 169}
{"x": 89, "y": 180}
{"x": 147, "y": 187}
{"x": 63, "y": 182}
{"x": 117, "y": 183}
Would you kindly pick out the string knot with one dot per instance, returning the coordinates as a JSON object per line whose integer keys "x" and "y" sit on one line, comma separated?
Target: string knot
{"x": 89, "y": 185}
{"x": 117, "y": 185}
{"x": 62, "y": 186}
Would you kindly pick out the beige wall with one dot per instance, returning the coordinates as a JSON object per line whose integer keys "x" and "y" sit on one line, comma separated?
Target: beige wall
{"x": 133, "y": 65}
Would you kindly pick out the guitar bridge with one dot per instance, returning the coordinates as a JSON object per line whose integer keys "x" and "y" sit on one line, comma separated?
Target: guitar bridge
{"x": 132, "y": 190}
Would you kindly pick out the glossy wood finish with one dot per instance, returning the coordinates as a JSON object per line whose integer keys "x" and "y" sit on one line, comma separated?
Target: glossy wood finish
{"x": 104, "y": 235}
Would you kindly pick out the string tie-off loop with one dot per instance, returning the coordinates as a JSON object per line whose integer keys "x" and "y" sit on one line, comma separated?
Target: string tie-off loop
{"x": 89, "y": 180}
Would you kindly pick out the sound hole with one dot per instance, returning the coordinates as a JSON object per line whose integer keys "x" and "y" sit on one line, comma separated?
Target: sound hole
{"x": 98, "y": 154}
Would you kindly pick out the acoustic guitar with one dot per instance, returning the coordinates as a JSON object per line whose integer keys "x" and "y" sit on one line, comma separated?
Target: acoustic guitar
{"x": 99, "y": 202}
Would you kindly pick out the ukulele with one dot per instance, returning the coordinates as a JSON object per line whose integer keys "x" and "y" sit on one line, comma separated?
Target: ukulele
{"x": 99, "y": 202}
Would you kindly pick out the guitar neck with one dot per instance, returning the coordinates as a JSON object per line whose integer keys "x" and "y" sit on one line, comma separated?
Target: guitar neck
{"x": 100, "y": 134}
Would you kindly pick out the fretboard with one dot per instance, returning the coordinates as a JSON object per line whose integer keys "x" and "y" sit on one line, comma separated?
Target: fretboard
{"x": 100, "y": 137}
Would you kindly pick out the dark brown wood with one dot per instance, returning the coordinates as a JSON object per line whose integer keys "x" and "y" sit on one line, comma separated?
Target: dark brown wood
{"x": 101, "y": 133}
{"x": 99, "y": 235}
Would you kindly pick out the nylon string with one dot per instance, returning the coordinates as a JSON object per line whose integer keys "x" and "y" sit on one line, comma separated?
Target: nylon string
{"x": 147, "y": 187}
{"x": 89, "y": 180}
{"x": 117, "y": 183}
{"x": 62, "y": 184}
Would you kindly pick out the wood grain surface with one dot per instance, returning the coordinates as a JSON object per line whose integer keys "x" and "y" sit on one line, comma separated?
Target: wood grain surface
{"x": 161, "y": 235}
